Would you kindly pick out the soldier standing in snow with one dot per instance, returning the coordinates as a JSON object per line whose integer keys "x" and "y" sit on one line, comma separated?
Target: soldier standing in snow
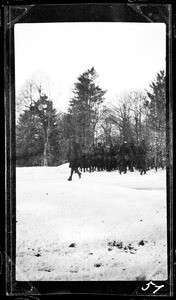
{"x": 100, "y": 157}
{"x": 74, "y": 156}
{"x": 124, "y": 156}
{"x": 132, "y": 162}
{"x": 141, "y": 157}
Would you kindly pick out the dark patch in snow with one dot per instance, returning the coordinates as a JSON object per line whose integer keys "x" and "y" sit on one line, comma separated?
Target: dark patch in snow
{"x": 98, "y": 265}
{"x": 140, "y": 220}
{"x": 116, "y": 244}
{"x": 72, "y": 245}
{"x": 120, "y": 245}
{"x": 142, "y": 243}
{"x": 130, "y": 247}
{"x": 90, "y": 253}
{"x": 141, "y": 278}
{"x": 38, "y": 254}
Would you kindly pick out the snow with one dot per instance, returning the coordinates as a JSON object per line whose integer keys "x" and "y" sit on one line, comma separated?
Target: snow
{"x": 104, "y": 226}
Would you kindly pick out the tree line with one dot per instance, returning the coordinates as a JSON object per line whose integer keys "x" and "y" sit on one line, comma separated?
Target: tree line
{"x": 42, "y": 133}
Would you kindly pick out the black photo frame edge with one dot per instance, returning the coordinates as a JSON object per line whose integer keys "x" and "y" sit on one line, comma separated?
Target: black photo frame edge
{"x": 39, "y": 288}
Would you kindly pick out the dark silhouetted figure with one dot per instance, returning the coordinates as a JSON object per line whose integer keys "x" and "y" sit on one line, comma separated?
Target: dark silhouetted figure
{"x": 124, "y": 156}
{"x": 74, "y": 155}
{"x": 100, "y": 157}
{"x": 141, "y": 157}
{"x": 132, "y": 161}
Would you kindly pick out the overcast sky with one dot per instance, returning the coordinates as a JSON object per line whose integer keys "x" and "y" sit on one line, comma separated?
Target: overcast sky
{"x": 126, "y": 56}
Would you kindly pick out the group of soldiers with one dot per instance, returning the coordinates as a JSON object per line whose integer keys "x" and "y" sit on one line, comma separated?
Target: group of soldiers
{"x": 123, "y": 157}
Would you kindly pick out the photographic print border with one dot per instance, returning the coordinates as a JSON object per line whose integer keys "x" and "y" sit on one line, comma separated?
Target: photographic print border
{"x": 24, "y": 12}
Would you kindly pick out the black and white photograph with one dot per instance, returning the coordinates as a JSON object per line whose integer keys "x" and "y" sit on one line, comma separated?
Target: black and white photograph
{"x": 91, "y": 152}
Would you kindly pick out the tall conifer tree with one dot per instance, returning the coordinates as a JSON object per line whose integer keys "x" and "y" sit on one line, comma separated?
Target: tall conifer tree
{"x": 84, "y": 107}
{"x": 37, "y": 134}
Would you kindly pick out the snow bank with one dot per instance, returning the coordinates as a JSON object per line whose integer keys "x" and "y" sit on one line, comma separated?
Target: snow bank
{"x": 104, "y": 226}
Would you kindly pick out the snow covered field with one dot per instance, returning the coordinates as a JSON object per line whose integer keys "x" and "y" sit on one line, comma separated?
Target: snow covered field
{"x": 104, "y": 226}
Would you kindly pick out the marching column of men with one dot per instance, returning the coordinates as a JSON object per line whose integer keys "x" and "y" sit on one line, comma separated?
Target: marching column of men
{"x": 123, "y": 157}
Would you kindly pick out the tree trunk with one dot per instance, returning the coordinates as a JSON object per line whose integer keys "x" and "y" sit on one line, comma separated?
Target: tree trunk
{"x": 46, "y": 151}
{"x": 45, "y": 156}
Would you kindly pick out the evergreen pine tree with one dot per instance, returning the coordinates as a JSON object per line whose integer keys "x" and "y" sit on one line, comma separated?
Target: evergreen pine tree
{"x": 37, "y": 139}
{"x": 84, "y": 107}
{"x": 157, "y": 114}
